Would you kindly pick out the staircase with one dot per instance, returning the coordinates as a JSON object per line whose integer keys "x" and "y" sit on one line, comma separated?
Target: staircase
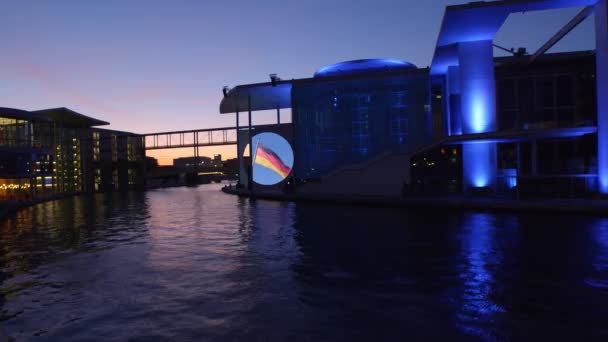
{"x": 383, "y": 175}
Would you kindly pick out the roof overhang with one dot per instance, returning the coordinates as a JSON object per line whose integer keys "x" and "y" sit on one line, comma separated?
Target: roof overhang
{"x": 481, "y": 21}
{"x": 254, "y": 97}
{"x": 70, "y": 117}
{"x": 21, "y": 114}
{"x": 265, "y": 96}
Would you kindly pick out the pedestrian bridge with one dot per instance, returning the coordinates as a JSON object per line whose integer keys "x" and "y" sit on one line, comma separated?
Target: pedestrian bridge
{"x": 191, "y": 138}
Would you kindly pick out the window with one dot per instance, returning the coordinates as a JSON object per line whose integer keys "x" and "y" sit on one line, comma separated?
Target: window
{"x": 133, "y": 146}
{"x": 398, "y": 125}
{"x": 565, "y": 91}
{"x": 97, "y": 179}
{"x": 115, "y": 178}
{"x": 114, "y": 146}
{"x": 95, "y": 146}
{"x": 14, "y": 132}
{"x": 132, "y": 176}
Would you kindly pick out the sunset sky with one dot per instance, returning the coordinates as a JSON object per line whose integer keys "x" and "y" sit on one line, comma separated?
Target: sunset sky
{"x": 148, "y": 66}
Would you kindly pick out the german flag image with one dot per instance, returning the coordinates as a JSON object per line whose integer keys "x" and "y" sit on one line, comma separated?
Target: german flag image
{"x": 265, "y": 157}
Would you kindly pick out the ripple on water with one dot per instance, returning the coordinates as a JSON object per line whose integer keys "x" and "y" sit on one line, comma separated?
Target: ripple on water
{"x": 194, "y": 263}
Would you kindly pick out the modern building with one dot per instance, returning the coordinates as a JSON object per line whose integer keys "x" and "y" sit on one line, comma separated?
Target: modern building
{"x": 59, "y": 151}
{"x": 546, "y": 136}
{"x": 347, "y": 113}
{"x": 352, "y": 111}
{"x": 526, "y": 125}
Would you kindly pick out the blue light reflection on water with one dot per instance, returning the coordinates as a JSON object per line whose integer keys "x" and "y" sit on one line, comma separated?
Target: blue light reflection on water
{"x": 599, "y": 237}
{"x": 482, "y": 257}
{"x": 193, "y": 263}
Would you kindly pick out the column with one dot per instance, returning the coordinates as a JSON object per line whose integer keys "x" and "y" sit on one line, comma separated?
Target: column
{"x": 239, "y": 157}
{"x": 478, "y": 112}
{"x": 250, "y": 176}
{"x": 601, "y": 56}
{"x": 477, "y": 93}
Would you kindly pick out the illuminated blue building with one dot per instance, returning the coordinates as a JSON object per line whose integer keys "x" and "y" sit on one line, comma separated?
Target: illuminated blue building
{"x": 349, "y": 112}
{"x": 464, "y": 69}
{"x": 355, "y": 110}
{"x": 520, "y": 124}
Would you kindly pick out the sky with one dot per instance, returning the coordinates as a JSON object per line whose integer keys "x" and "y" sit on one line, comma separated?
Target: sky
{"x": 148, "y": 66}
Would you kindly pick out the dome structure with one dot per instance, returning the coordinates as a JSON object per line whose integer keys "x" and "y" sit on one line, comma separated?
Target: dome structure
{"x": 363, "y": 66}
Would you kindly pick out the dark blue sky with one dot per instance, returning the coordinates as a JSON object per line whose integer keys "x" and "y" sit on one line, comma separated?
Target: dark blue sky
{"x": 160, "y": 65}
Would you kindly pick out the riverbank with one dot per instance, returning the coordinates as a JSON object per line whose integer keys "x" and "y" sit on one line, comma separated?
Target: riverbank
{"x": 561, "y": 206}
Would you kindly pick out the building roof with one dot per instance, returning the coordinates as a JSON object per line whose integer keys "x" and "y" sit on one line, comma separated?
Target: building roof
{"x": 70, "y": 117}
{"x": 260, "y": 96}
{"x": 21, "y": 114}
{"x": 362, "y": 66}
{"x": 481, "y": 21}
{"x": 265, "y": 96}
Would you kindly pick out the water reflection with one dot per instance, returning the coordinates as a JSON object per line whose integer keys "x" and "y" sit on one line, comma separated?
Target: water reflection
{"x": 599, "y": 272}
{"x": 388, "y": 271}
{"x": 35, "y": 234}
{"x": 482, "y": 260}
{"x": 196, "y": 264}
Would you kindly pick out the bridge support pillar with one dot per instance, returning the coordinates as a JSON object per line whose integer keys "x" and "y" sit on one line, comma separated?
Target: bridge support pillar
{"x": 250, "y": 176}
{"x": 239, "y": 156}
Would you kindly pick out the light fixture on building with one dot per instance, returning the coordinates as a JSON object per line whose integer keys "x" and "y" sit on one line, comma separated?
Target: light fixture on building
{"x": 274, "y": 79}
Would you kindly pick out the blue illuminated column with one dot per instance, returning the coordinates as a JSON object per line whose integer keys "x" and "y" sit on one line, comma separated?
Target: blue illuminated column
{"x": 478, "y": 165}
{"x": 478, "y": 112}
{"x": 601, "y": 58}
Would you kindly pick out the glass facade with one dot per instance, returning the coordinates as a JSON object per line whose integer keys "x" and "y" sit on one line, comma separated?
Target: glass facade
{"x": 544, "y": 101}
{"x": 134, "y": 147}
{"x": 14, "y": 132}
{"x": 114, "y": 147}
{"x": 438, "y": 171}
{"x": 68, "y": 165}
{"x": 96, "y": 146}
{"x": 546, "y": 109}
{"x": 341, "y": 122}
{"x": 49, "y": 153}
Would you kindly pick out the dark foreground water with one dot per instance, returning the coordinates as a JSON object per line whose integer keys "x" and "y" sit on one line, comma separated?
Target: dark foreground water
{"x": 196, "y": 264}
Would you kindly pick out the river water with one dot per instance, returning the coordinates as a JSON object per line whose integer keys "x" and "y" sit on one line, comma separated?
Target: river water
{"x": 197, "y": 264}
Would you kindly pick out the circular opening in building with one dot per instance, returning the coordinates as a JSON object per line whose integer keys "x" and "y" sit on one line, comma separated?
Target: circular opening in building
{"x": 272, "y": 158}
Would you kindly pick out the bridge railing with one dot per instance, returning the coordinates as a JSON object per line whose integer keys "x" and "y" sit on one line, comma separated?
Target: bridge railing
{"x": 191, "y": 138}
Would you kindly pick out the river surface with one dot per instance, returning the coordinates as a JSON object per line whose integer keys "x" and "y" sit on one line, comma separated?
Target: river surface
{"x": 197, "y": 264}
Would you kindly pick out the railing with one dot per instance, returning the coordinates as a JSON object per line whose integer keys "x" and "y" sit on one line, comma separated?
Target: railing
{"x": 547, "y": 186}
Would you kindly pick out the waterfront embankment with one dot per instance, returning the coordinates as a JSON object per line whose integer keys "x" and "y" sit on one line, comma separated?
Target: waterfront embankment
{"x": 562, "y": 206}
